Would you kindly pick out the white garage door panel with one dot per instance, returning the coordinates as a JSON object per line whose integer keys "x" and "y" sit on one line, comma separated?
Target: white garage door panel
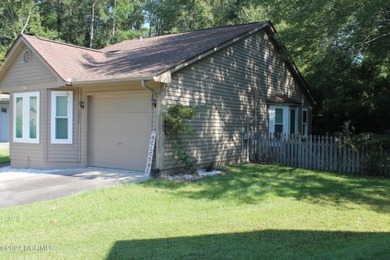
{"x": 119, "y": 130}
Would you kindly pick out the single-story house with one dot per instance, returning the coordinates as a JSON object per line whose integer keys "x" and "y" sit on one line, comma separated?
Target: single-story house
{"x": 76, "y": 107}
{"x": 4, "y": 118}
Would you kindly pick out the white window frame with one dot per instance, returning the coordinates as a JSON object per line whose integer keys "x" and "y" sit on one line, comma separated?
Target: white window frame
{"x": 54, "y": 95}
{"x": 304, "y": 124}
{"x": 272, "y": 118}
{"x": 286, "y": 119}
{"x": 295, "y": 109}
{"x": 26, "y": 117}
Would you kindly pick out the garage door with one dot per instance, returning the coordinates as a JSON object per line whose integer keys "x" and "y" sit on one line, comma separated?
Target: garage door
{"x": 119, "y": 130}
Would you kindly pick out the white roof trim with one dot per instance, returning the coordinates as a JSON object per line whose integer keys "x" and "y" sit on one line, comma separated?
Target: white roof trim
{"x": 75, "y": 82}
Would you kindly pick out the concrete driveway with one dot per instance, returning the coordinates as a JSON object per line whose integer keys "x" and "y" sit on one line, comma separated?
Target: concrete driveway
{"x": 22, "y": 186}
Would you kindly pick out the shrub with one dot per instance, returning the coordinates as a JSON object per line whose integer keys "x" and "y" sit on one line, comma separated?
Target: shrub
{"x": 175, "y": 126}
{"x": 377, "y": 159}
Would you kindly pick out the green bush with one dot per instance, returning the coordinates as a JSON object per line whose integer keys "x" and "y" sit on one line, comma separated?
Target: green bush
{"x": 377, "y": 159}
{"x": 175, "y": 126}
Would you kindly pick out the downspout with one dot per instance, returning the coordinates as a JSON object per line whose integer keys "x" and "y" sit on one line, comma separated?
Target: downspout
{"x": 154, "y": 93}
{"x": 144, "y": 85}
{"x": 155, "y": 124}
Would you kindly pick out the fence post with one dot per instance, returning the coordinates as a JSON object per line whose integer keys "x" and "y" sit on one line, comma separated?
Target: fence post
{"x": 331, "y": 153}
{"x": 316, "y": 153}
{"x": 299, "y": 150}
{"x": 309, "y": 154}
{"x": 344, "y": 155}
{"x": 322, "y": 154}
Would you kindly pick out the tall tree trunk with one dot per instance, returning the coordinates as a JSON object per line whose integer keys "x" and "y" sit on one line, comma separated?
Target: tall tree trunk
{"x": 28, "y": 18}
{"x": 59, "y": 18}
{"x": 92, "y": 24}
{"x": 114, "y": 20}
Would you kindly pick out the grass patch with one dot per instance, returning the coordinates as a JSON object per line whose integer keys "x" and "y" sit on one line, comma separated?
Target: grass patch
{"x": 252, "y": 212}
{"x": 4, "y": 156}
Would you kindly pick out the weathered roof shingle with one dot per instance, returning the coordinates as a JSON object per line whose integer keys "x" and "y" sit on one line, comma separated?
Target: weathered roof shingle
{"x": 133, "y": 59}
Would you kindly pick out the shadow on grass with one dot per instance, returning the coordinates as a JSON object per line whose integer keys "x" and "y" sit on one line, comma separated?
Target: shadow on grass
{"x": 254, "y": 183}
{"x": 267, "y": 244}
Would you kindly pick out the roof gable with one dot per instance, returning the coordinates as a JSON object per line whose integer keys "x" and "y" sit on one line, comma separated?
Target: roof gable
{"x": 132, "y": 59}
{"x": 35, "y": 70}
{"x": 148, "y": 58}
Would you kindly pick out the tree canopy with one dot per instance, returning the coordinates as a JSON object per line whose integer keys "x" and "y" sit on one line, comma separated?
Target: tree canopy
{"x": 341, "y": 46}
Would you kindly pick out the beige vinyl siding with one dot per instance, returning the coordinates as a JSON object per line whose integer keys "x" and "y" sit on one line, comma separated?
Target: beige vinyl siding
{"x": 76, "y": 154}
{"x": 47, "y": 155}
{"x": 64, "y": 153}
{"x": 34, "y": 76}
{"x": 234, "y": 83}
{"x": 26, "y": 155}
{"x": 21, "y": 74}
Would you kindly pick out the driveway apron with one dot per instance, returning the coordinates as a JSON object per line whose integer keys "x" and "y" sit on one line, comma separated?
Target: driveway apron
{"x": 22, "y": 186}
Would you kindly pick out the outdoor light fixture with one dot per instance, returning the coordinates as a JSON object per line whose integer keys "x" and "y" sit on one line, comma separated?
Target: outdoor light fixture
{"x": 154, "y": 102}
{"x": 81, "y": 104}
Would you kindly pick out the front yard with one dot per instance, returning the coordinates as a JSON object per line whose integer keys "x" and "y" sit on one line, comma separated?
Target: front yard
{"x": 4, "y": 156}
{"x": 252, "y": 211}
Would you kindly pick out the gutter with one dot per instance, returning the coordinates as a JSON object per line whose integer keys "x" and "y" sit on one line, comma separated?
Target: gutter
{"x": 144, "y": 85}
{"x": 75, "y": 82}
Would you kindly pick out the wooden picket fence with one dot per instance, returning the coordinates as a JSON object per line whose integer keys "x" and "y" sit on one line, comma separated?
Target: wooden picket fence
{"x": 316, "y": 153}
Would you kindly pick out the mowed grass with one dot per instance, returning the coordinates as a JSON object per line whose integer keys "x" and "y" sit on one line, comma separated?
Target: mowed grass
{"x": 251, "y": 212}
{"x": 4, "y": 156}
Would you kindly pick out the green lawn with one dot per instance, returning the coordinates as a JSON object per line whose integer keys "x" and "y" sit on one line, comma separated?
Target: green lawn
{"x": 4, "y": 156}
{"x": 250, "y": 213}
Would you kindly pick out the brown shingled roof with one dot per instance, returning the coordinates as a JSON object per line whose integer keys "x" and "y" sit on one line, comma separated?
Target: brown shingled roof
{"x": 282, "y": 99}
{"x": 66, "y": 60}
{"x": 134, "y": 59}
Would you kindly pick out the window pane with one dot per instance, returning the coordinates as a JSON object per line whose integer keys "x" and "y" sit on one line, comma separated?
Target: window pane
{"x": 279, "y": 116}
{"x": 33, "y": 117}
{"x": 61, "y": 106}
{"x": 19, "y": 117}
{"x": 61, "y": 128}
{"x": 304, "y": 116}
{"x": 278, "y": 130}
{"x": 292, "y": 121}
{"x": 304, "y": 129}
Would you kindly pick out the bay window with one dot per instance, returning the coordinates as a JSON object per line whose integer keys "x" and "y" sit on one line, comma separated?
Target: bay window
{"x": 26, "y": 117}
{"x": 283, "y": 120}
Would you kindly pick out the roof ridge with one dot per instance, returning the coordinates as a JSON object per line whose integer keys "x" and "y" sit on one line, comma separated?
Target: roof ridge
{"x": 193, "y": 31}
{"x": 213, "y": 28}
{"x": 206, "y": 29}
{"x": 62, "y": 43}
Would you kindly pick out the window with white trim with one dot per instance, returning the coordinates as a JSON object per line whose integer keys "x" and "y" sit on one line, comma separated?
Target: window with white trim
{"x": 304, "y": 122}
{"x": 62, "y": 117}
{"x": 283, "y": 120}
{"x": 26, "y": 117}
{"x": 293, "y": 121}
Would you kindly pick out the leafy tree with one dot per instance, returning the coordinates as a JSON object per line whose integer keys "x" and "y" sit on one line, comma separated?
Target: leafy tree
{"x": 341, "y": 46}
{"x": 172, "y": 16}
{"x": 343, "y": 49}
{"x": 19, "y": 16}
